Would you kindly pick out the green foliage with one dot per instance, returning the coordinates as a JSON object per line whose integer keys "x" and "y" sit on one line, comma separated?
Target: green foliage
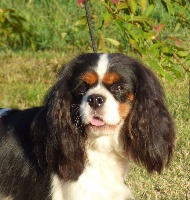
{"x": 12, "y": 31}
{"x": 51, "y": 24}
{"x": 153, "y": 30}
{"x": 156, "y": 31}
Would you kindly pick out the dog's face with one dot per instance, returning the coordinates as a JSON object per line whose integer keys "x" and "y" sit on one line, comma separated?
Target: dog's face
{"x": 103, "y": 95}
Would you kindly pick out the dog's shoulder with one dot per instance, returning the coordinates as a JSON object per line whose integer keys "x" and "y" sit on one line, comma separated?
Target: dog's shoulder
{"x": 6, "y": 112}
{"x": 14, "y": 119}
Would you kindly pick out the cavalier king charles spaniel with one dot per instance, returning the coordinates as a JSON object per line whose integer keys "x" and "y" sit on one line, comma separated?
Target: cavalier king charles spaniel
{"x": 103, "y": 111}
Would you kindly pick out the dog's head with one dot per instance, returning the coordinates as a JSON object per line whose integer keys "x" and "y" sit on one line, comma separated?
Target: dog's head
{"x": 103, "y": 94}
{"x": 100, "y": 95}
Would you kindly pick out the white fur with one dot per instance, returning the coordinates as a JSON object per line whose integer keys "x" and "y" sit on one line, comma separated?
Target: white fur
{"x": 57, "y": 191}
{"x": 103, "y": 177}
{"x": 102, "y": 66}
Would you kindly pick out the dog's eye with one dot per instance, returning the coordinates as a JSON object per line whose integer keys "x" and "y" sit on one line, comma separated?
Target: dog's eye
{"x": 118, "y": 88}
{"x": 81, "y": 89}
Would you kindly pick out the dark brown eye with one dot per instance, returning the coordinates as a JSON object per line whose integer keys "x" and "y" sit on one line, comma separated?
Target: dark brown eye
{"x": 81, "y": 89}
{"x": 119, "y": 88}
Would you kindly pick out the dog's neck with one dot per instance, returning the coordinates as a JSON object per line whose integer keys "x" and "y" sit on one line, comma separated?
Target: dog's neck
{"x": 107, "y": 151}
{"x": 103, "y": 175}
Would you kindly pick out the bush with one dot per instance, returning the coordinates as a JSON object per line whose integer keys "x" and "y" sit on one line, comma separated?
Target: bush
{"x": 12, "y": 31}
{"x": 156, "y": 31}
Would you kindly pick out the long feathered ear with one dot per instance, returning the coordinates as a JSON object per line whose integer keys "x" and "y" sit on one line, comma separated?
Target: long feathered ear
{"x": 59, "y": 144}
{"x": 150, "y": 135}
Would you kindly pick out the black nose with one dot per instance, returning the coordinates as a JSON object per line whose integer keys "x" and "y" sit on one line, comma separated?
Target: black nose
{"x": 96, "y": 100}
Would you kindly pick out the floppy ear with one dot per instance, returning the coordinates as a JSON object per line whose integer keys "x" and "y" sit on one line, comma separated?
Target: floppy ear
{"x": 150, "y": 136}
{"x": 59, "y": 144}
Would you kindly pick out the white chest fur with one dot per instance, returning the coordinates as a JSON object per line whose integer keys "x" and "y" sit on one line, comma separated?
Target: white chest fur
{"x": 102, "y": 178}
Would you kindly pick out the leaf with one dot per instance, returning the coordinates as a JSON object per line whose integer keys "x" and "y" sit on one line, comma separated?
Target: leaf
{"x": 132, "y": 34}
{"x": 155, "y": 46}
{"x": 107, "y": 18}
{"x": 120, "y": 25}
{"x": 81, "y": 21}
{"x": 133, "y": 5}
{"x": 182, "y": 53}
{"x": 155, "y": 53}
{"x": 167, "y": 50}
{"x": 122, "y": 5}
{"x": 143, "y": 4}
{"x": 149, "y": 10}
{"x": 132, "y": 42}
{"x": 141, "y": 51}
{"x": 100, "y": 42}
{"x": 115, "y": 43}
{"x": 176, "y": 72}
{"x": 177, "y": 26}
{"x": 156, "y": 66}
{"x": 160, "y": 70}
{"x": 170, "y": 7}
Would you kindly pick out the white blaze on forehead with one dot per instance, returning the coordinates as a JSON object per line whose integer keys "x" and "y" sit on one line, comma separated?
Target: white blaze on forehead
{"x": 102, "y": 66}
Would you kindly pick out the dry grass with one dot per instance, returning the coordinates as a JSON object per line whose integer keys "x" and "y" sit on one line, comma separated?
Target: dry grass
{"x": 24, "y": 80}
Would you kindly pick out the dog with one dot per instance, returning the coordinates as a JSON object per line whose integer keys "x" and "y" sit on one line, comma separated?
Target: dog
{"x": 103, "y": 111}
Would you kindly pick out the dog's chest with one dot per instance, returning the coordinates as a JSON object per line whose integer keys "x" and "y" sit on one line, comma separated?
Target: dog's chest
{"x": 101, "y": 179}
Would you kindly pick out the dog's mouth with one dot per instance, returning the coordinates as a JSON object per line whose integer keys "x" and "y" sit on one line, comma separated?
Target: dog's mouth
{"x": 97, "y": 121}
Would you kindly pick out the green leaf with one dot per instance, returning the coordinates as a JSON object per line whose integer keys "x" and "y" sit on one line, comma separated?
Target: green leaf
{"x": 182, "y": 53}
{"x": 120, "y": 25}
{"x": 141, "y": 51}
{"x": 133, "y": 5}
{"x": 143, "y": 4}
{"x": 177, "y": 26}
{"x": 107, "y": 18}
{"x": 132, "y": 34}
{"x": 155, "y": 46}
{"x": 141, "y": 18}
{"x": 81, "y": 21}
{"x": 176, "y": 72}
{"x": 115, "y": 43}
{"x": 160, "y": 70}
{"x": 155, "y": 53}
{"x": 167, "y": 50}
{"x": 169, "y": 6}
{"x": 156, "y": 66}
{"x": 132, "y": 42}
{"x": 149, "y": 10}
{"x": 122, "y": 5}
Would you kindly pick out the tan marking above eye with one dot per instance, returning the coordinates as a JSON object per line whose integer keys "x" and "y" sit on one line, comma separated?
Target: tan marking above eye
{"x": 111, "y": 78}
{"x": 90, "y": 78}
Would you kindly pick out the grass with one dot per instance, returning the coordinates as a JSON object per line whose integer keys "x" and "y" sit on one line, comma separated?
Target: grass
{"x": 26, "y": 77}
